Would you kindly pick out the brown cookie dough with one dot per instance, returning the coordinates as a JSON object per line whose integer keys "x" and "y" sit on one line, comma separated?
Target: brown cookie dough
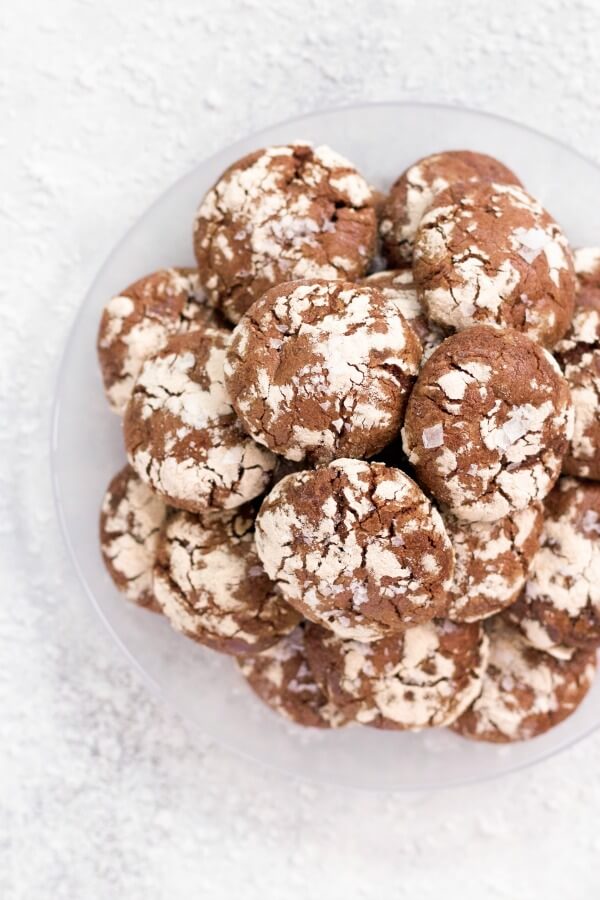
{"x": 131, "y": 519}
{"x": 425, "y": 677}
{"x": 282, "y": 678}
{"x": 357, "y": 547}
{"x": 322, "y": 369}
{"x": 560, "y": 606}
{"x": 138, "y": 322}
{"x": 491, "y": 560}
{"x": 579, "y": 355}
{"x": 398, "y": 285}
{"x": 414, "y": 191}
{"x": 487, "y": 423}
{"x": 212, "y": 587}
{"x": 489, "y": 253}
{"x": 181, "y": 433}
{"x": 280, "y": 214}
{"x": 525, "y": 692}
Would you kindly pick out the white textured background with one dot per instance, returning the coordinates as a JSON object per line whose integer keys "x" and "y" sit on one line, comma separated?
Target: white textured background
{"x": 102, "y": 792}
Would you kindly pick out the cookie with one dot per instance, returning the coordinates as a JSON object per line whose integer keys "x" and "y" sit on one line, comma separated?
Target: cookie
{"x": 525, "y": 692}
{"x": 317, "y": 370}
{"x": 356, "y": 547}
{"x": 211, "y": 586}
{"x": 413, "y": 192}
{"x": 398, "y": 285}
{"x": 561, "y": 603}
{"x": 579, "y": 355}
{"x": 138, "y": 322}
{"x": 131, "y": 518}
{"x": 181, "y": 432}
{"x": 425, "y": 677}
{"x": 282, "y": 678}
{"x": 491, "y": 561}
{"x": 489, "y": 253}
{"x": 280, "y": 214}
{"x": 488, "y": 423}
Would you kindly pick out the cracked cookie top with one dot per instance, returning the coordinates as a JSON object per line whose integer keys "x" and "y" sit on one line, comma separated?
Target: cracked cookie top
{"x": 487, "y": 423}
{"x": 322, "y": 369}
{"x": 525, "y": 692}
{"x": 138, "y": 322}
{"x": 414, "y": 191}
{"x": 357, "y": 547}
{"x": 579, "y": 355}
{"x": 280, "y": 214}
{"x": 212, "y": 587}
{"x": 489, "y": 253}
{"x": 398, "y": 285}
{"x": 560, "y": 607}
{"x": 181, "y": 432}
{"x": 425, "y": 677}
{"x": 131, "y": 518}
{"x": 282, "y": 678}
{"x": 491, "y": 560}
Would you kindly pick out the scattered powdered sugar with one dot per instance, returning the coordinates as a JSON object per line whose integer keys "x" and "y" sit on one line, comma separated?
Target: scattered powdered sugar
{"x": 433, "y": 436}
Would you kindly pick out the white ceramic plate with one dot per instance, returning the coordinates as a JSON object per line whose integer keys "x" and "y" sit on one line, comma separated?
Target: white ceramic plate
{"x": 203, "y": 687}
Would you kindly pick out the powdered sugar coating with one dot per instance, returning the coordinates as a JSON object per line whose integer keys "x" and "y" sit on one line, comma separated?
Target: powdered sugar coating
{"x": 318, "y": 370}
{"x": 357, "y": 547}
{"x": 279, "y": 214}
{"x": 212, "y": 587}
{"x": 131, "y": 519}
{"x": 525, "y": 692}
{"x": 423, "y": 678}
{"x": 138, "y": 322}
{"x": 181, "y": 432}
{"x": 488, "y": 423}
{"x": 489, "y": 253}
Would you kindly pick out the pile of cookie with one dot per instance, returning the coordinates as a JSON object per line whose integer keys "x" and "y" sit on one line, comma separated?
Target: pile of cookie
{"x": 363, "y": 442}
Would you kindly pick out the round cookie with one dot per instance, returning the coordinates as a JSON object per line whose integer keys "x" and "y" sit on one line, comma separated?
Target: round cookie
{"x": 489, "y": 253}
{"x": 138, "y": 322}
{"x": 211, "y": 586}
{"x": 579, "y": 355}
{"x": 398, "y": 285}
{"x": 131, "y": 518}
{"x": 525, "y": 692}
{"x": 413, "y": 192}
{"x": 560, "y": 606}
{"x": 487, "y": 423}
{"x": 356, "y": 547}
{"x": 423, "y": 678}
{"x": 318, "y": 370}
{"x": 282, "y": 678}
{"x": 491, "y": 560}
{"x": 181, "y": 432}
{"x": 280, "y": 214}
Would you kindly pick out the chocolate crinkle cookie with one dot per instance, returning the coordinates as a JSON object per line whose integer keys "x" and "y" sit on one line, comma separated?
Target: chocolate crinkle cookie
{"x": 414, "y": 191}
{"x": 283, "y": 679}
{"x": 525, "y": 692}
{"x": 425, "y": 677}
{"x": 491, "y": 561}
{"x": 398, "y": 285}
{"x": 489, "y": 253}
{"x": 487, "y": 423}
{"x": 211, "y": 586}
{"x": 279, "y": 214}
{"x": 131, "y": 520}
{"x": 138, "y": 322}
{"x": 357, "y": 547}
{"x": 322, "y": 369}
{"x": 560, "y": 607}
{"x": 579, "y": 355}
{"x": 181, "y": 432}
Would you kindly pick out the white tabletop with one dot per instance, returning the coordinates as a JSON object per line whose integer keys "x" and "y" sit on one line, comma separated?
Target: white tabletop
{"x": 103, "y": 793}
